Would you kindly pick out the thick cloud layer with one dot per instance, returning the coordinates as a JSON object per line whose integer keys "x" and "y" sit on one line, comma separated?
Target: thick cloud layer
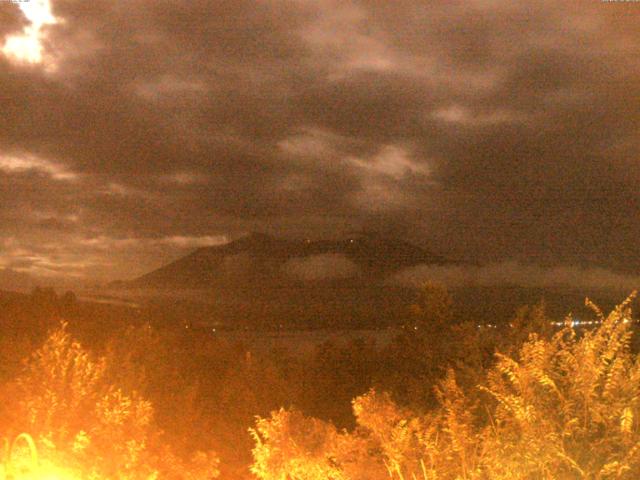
{"x": 487, "y": 130}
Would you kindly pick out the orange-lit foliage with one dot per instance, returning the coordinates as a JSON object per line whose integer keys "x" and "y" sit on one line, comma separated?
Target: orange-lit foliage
{"x": 565, "y": 407}
{"x": 65, "y": 401}
{"x": 569, "y": 407}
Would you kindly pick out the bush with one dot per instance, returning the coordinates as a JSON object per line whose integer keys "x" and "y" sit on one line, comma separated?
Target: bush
{"x": 80, "y": 419}
{"x": 562, "y": 407}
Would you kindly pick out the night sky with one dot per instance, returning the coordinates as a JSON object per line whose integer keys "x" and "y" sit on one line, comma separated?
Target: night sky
{"x": 489, "y": 131}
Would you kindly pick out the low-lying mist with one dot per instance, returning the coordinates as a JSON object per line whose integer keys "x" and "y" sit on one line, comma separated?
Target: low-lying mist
{"x": 515, "y": 273}
{"x": 321, "y": 267}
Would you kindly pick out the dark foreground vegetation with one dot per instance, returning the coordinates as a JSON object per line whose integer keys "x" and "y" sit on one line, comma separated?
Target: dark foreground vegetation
{"x": 107, "y": 393}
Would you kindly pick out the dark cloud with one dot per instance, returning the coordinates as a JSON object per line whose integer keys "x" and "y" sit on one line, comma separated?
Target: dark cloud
{"x": 11, "y": 19}
{"x": 489, "y": 130}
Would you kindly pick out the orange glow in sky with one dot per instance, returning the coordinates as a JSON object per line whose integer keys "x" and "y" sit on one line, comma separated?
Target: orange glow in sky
{"x": 27, "y": 46}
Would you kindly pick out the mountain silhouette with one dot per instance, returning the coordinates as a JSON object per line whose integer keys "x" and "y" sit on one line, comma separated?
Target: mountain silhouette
{"x": 261, "y": 257}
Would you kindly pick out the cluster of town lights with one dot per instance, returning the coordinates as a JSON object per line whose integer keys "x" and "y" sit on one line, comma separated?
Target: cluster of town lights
{"x": 574, "y": 322}
{"x": 579, "y": 323}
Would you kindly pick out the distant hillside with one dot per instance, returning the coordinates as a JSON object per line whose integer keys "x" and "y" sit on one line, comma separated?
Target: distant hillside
{"x": 259, "y": 281}
{"x": 263, "y": 258}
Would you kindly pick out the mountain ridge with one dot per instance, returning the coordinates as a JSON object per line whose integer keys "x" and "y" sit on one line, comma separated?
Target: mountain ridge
{"x": 263, "y": 256}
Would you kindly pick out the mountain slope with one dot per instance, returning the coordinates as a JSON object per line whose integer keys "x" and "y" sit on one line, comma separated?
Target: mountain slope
{"x": 259, "y": 257}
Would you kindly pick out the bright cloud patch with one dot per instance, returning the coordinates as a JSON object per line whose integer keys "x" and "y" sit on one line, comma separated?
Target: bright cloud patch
{"x": 27, "y": 46}
{"x": 456, "y": 114}
{"x": 311, "y": 143}
{"x": 383, "y": 178}
{"x": 28, "y": 163}
{"x": 180, "y": 241}
{"x": 392, "y": 161}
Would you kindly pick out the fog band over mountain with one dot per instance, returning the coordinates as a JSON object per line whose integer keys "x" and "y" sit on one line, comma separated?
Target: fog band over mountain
{"x": 321, "y": 267}
{"x": 516, "y": 273}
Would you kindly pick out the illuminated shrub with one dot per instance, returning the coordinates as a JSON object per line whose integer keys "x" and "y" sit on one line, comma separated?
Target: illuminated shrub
{"x": 561, "y": 408}
{"x": 289, "y": 443}
{"x": 66, "y": 402}
{"x": 568, "y": 407}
